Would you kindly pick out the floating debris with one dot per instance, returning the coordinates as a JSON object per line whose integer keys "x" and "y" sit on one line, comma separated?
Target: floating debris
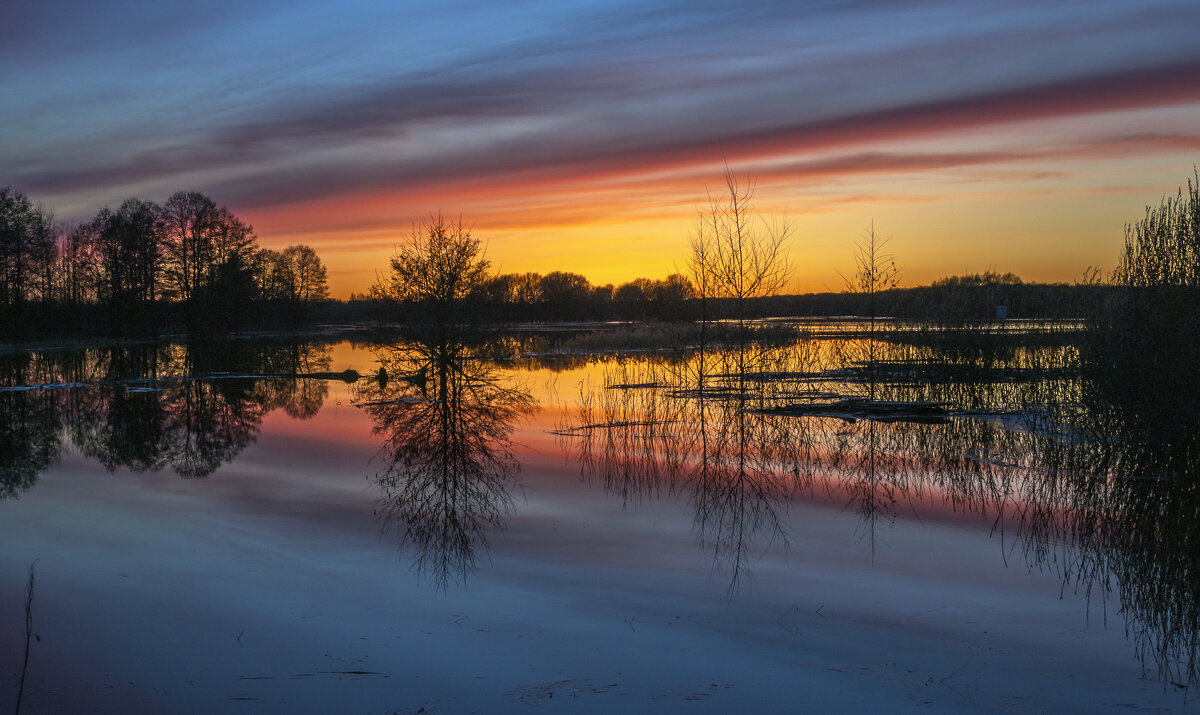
{"x": 406, "y": 400}
{"x": 350, "y": 375}
{"x": 856, "y": 408}
{"x": 573, "y": 431}
{"x": 43, "y": 386}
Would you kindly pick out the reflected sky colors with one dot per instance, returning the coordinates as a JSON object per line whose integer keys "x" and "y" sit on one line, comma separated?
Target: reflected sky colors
{"x": 217, "y": 523}
{"x": 583, "y": 136}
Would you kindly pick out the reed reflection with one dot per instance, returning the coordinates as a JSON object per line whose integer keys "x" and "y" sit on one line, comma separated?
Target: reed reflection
{"x": 446, "y": 416}
{"x": 187, "y": 408}
{"x": 1080, "y": 477}
{"x": 1116, "y": 505}
{"x": 696, "y": 426}
{"x": 1072, "y": 479}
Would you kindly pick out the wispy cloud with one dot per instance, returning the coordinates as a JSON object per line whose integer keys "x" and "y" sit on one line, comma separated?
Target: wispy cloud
{"x": 273, "y": 106}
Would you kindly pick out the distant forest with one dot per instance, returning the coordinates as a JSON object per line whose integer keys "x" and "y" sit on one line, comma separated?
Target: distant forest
{"x": 189, "y": 266}
{"x": 558, "y": 296}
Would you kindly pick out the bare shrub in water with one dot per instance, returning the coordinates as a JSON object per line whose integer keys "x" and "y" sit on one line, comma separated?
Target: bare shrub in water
{"x": 1140, "y": 363}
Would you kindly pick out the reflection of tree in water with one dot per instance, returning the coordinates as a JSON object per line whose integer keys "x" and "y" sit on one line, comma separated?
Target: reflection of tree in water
{"x": 748, "y": 467}
{"x": 446, "y": 417}
{"x": 1100, "y": 496}
{"x": 147, "y": 407}
{"x": 192, "y": 418}
{"x": 696, "y": 426}
{"x": 208, "y": 423}
{"x": 873, "y": 480}
{"x": 30, "y": 431}
{"x": 1153, "y": 546}
{"x": 1114, "y": 504}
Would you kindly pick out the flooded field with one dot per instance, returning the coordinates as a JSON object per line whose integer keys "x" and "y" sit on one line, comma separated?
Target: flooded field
{"x": 842, "y": 520}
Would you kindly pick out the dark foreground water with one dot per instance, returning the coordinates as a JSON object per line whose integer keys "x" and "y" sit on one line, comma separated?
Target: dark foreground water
{"x": 213, "y": 532}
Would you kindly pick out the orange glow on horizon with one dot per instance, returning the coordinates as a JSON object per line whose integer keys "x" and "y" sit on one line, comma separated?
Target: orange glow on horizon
{"x": 1026, "y": 192}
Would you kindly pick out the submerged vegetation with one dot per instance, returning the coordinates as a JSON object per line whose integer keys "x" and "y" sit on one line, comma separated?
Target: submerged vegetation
{"x": 1140, "y": 361}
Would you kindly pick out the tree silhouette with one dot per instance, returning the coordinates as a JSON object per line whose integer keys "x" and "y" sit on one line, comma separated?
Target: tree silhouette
{"x": 78, "y": 272}
{"x": 439, "y": 269}
{"x": 875, "y": 271}
{"x": 128, "y": 247}
{"x": 1140, "y": 363}
{"x": 208, "y": 254}
{"x": 564, "y": 295}
{"x": 735, "y": 253}
{"x": 296, "y": 278}
{"x": 27, "y": 251}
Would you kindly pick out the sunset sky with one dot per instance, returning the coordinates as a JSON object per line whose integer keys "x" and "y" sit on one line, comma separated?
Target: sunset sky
{"x": 583, "y": 136}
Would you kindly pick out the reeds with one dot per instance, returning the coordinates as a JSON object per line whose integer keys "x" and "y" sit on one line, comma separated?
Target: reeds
{"x": 28, "y": 634}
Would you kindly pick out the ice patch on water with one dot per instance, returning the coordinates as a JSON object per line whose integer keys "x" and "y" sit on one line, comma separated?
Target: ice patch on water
{"x": 43, "y": 386}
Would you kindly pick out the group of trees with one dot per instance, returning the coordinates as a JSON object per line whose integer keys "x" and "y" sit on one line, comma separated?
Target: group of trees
{"x": 189, "y": 263}
{"x": 27, "y": 257}
{"x": 441, "y": 277}
{"x": 186, "y": 263}
{"x": 565, "y": 296}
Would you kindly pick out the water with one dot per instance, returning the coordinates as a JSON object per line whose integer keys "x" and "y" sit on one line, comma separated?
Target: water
{"x": 213, "y": 534}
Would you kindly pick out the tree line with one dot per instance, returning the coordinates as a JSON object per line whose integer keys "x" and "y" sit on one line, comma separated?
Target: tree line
{"x": 441, "y": 271}
{"x": 520, "y": 298}
{"x": 189, "y": 264}
{"x": 736, "y": 265}
{"x": 144, "y": 268}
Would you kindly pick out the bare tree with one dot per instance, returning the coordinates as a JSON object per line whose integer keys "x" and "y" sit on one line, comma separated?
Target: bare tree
{"x": 208, "y": 256}
{"x": 28, "y": 243}
{"x": 736, "y": 256}
{"x": 1140, "y": 363}
{"x": 875, "y": 271}
{"x": 128, "y": 246}
{"x": 79, "y": 265}
{"x": 295, "y": 277}
{"x": 201, "y": 237}
{"x": 440, "y": 267}
{"x": 1163, "y": 249}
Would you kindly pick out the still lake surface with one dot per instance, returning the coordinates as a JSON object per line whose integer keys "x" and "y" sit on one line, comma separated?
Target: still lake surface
{"x": 839, "y": 523}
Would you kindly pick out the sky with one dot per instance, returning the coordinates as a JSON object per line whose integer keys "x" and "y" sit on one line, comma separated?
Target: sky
{"x": 585, "y": 136}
